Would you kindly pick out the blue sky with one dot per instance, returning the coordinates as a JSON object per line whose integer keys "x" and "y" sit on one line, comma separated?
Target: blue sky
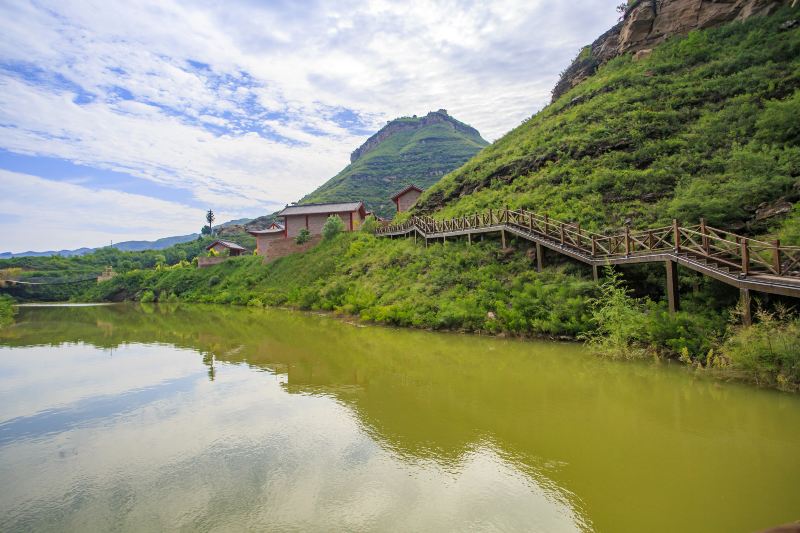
{"x": 127, "y": 120}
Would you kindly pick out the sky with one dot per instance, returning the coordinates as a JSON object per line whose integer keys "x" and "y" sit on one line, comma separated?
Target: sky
{"x": 128, "y": 120}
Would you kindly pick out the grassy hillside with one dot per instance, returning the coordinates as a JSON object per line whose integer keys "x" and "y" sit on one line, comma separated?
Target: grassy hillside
{"x": 60, "y": 268}
{"x": 707, "y": 126}
{"x": 421, "y": 154}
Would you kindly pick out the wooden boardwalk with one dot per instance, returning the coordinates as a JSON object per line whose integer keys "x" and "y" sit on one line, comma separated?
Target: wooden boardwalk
{"x": 748, "y": 264}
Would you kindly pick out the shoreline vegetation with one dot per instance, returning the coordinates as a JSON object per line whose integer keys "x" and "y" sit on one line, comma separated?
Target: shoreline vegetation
{"x": 483, "y": 289}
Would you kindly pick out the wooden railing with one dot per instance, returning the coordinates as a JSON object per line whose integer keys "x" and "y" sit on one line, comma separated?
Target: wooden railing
{"x": 735, "y": 252}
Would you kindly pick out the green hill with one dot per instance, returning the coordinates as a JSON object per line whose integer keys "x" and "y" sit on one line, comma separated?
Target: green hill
{"x": 707, "y": 126}
{"x": 407, "y": 150}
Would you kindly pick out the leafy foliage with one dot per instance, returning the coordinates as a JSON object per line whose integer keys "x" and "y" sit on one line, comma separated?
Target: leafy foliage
{"x": 332, "y": 227}
{"x": 7, "y": 311}
{"x": 303, "y": 236}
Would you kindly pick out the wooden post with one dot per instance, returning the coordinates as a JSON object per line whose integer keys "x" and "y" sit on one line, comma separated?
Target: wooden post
{"x": 747, "y": 307}
{"x": 627, "y": 241}
{"x": 650, "y": 240}
{"x": 426, "y": 242}
{"x": 561, "y": 231}
{"x": 745, "y": 256}
{"x": 530, "y": 222}
{"x": 676, "y": 235}
{"x": 594, "y": 246}
{"x": 776, "y": 257}
{"x": 469, "y": 239}
{"x": 595, "y": 273}
{"x": 546, "y": 221}
{"x": 490, "y": 216}
{"x": 415, "y": 237}
{"x": 673, "y": 296}
{"x": 503, "y": 238}
{"x": 539, "y": 258}
{"x": 704, "y": 231}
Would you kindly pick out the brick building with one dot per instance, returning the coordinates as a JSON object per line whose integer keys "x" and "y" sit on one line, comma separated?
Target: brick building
{"x": 406, "y": 198}
{"x": 313, "y": 216}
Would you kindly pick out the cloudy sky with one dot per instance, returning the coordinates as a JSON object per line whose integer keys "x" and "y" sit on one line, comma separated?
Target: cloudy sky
{"x": 127, "y": 120}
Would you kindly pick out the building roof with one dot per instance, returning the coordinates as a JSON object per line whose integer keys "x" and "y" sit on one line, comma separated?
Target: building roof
{"x": 316, "y": 209}
{"x": 267, "y": 231}
{"x": 226, "y": 244}
{"x": 411, "y": 187}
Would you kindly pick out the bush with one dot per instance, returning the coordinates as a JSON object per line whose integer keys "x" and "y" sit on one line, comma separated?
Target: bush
{"x": 303, "y": 237}
{"x": 7, "y": 311}
{"x": 370, "y": 224}
{"x": 333, "y": 226}
{"x": 147, "y": 296}
{"x": 619, "y": 318}
{"x": 768, "y": 352}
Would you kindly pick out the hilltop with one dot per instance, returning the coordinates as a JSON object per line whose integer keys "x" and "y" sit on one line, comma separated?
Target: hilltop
{"x": 407, "y": 150}
{"x": 702, "y": 125}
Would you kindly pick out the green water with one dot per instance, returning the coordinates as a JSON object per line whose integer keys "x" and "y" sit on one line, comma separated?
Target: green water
{"x": 211, "y": 418}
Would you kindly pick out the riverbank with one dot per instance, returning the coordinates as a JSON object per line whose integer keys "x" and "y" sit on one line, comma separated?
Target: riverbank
{"x": 487, "y": 290}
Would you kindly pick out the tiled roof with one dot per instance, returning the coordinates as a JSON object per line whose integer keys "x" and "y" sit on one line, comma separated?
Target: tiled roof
{"x": 265, "y": 231}
{"x": 226, "y": 244}
{"x": 411, "y": 187}
{"x": 314, "y": 209}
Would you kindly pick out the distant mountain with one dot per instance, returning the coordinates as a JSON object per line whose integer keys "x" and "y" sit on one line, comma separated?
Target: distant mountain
{"x": 407, "y": 150}
{"x": 126, "y": 246}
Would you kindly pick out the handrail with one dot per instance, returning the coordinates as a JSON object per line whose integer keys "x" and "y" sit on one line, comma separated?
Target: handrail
{"x": 749, "y": 256}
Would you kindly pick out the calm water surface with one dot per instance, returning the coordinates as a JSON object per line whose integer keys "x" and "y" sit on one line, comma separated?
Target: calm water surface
{"x": 209, "y": 418}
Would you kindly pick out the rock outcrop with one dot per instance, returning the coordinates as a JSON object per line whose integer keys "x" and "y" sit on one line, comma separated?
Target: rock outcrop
{"x": 410, "y": 123}
{"x": 649, "y": 22}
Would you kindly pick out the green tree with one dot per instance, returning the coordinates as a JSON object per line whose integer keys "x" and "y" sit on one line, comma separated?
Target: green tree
{"x": 333, "y": 226}
{"x": 303, "y": 236}
{"x": 210, "y": 219}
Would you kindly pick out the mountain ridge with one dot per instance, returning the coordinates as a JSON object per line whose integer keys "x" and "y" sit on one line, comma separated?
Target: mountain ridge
{"x": 407, "y": 150}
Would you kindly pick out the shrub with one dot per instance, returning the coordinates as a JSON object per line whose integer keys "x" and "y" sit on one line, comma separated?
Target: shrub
{"x": 332, "y": 227}
{"x": 303, "y": 237}
{"x": 7, "y": 311}
{"x": 147, "y": 296}
{"x": 213, "y": 280}
{"x": 370, "y": 224}
{"x": 619, "y": 318}
{"x": 768, "y": 352}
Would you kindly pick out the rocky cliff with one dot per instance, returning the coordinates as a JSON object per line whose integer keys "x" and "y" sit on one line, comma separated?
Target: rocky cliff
{"x": 409, "y": 124}
{"x": 646, "y": 23}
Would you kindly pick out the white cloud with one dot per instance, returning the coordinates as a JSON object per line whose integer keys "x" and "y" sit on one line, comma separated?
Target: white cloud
{"x": 39, "y": 214}
{"x": 276, "y": 73}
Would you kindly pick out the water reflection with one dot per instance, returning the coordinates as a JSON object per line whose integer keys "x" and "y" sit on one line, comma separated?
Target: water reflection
{"x": 209, "y": 418}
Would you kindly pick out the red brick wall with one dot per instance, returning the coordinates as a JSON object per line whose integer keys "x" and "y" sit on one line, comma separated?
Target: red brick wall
{"x": 282, "y": 247}
{"x": 262, "y": 241}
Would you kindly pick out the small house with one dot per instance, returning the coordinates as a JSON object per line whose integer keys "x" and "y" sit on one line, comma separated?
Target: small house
{"x": 406, "y": 198}
{"x": 313, "y": 216}
{"x": 231, "y": 248}
{"x": 265, "y": 237}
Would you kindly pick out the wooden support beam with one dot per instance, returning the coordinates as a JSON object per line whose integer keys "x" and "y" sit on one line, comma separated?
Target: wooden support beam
{"x": 673, "y": 295}
{"x": 746, "y": 304}
{"x": 469, "y": 239}
{"x": 503, "y": 238}
{"x": 539, "y": 258}
{"x": 595, "y": 273}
